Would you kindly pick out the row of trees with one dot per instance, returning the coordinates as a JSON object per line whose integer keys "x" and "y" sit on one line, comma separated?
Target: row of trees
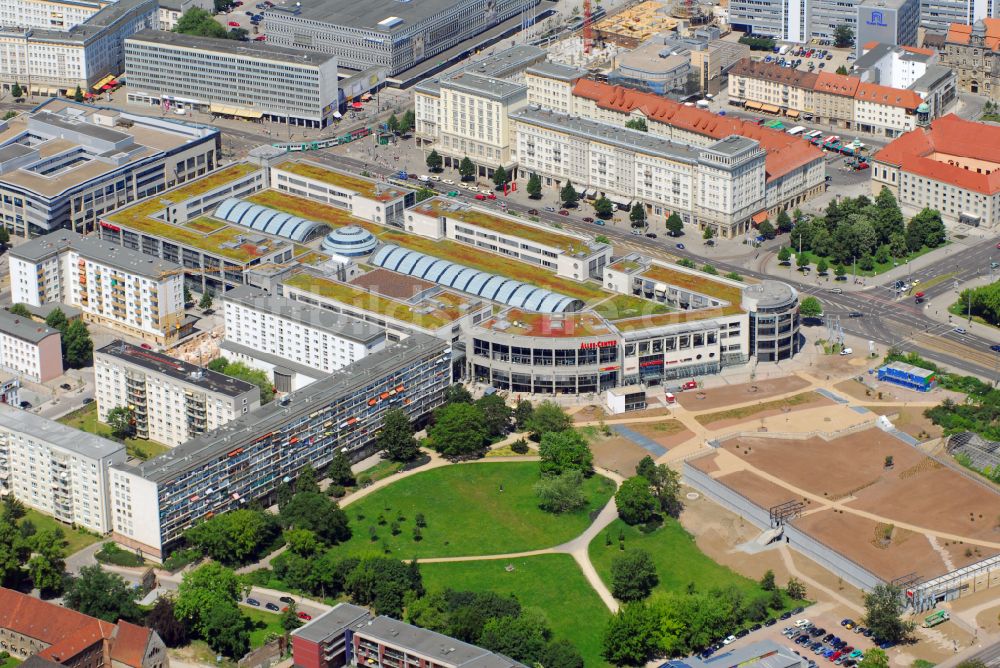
{"x": 243, "y": 372}
{"x": 77, "y": 347}
{"x": 28, "y": 554}
{"x": 197, "y": 21}
{"x": 982, "y": 302}
{"x": 401, "y": 125}
{"x": 463, "y": 428}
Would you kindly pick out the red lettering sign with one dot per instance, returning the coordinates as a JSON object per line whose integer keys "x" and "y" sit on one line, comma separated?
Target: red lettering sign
{"x": 113, "y": 228}
{"x": 652, "y": 363}
{"x": 597, "y": 344}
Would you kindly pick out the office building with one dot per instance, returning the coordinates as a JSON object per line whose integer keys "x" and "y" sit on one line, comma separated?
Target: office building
{"x": 231, "y": 78}
{"x": 47, "y": 635}
{"x": 826, "y": 15}
{"x": 937, "y": 16}
{"x": 28, "y": 349}
{"x": 349, "y": 635}
{"x": 171, "y": 401}
{"x": 950, "y": 166}
{"x": 66, "y": 164}
{"x": 384, "y": 33}
{"x": 246, "y": 460}
{"x": 892, "y": 22}
{"x": 114, "y": 286}
{"x": 910, "y": 67}
{"x": 53, "y": 59}
{"x": 58, "y": 470}
{"x": 720, "y": 186}
{"x": 973, "y": 51}
{"x": 785, "y": 20}
{"x": 280, "y": 336}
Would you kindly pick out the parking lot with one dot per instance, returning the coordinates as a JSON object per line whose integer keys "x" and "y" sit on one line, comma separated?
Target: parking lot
{"x": 813, "y": 58}
{"x": 245, "y": 15}
{"x": 825, "y": 641}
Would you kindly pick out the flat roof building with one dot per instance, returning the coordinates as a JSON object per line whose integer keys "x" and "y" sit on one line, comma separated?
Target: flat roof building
{"x": 893, "y": 22}
{"x": 171, "y": 401}
{"x": 66, "y": 164}
{"x": 232, "y": 79}
{"x": 58, "y": 470}
{"x": 28, "y": 349}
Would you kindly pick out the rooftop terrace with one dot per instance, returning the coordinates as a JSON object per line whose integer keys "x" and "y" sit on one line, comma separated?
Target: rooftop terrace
{"x": 700, "y": 283}
{"x": 364, "y": 187}
{"x": 524, "y": 323}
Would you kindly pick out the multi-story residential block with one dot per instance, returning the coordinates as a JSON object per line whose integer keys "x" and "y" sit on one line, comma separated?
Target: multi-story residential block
{"x": 172, "y": 401}
{"x": 550, "y": 85}
{"x": 973, "y": 51}
{"x": 246, "y": 460}
{"x": 950, "y": 166}
{"x": 56, "y": 469}
{"x": 277, "y": 335}
{"x": 46, "y": 635}
{"x": 53, "y": 60}
{"x": 66, "y": 164}
{"x": 384, "y": 33}
{"x": 349, "y": 635}
{"x": 118, "y": 287}
{"x": 28, "y": 349}
{"x": 719, "y": 186}
{"x": 845, "y": 101}
{"x": 232, "y": 78}
{"x": 892, "y": 22}
{"x": 895, "y": 66}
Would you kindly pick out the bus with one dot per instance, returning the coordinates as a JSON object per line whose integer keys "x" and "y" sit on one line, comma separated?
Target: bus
{"x": 797, "y": 130}
{"x": 939, "y": 617}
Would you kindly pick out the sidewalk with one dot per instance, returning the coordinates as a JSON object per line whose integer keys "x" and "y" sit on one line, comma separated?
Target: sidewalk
{"x": 937, "y": 309}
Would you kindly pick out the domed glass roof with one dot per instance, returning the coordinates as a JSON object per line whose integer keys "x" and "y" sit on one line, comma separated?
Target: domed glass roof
{"x": 350, "y": 241}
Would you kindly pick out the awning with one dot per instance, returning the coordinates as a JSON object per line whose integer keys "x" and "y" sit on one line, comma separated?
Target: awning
{"x": 752, "y": 105}
{"x": 769, "y": 108}
{"x": 357, "y": 105}
{"x": 104, "y": 82}
{"x": 759, "y": 218}
{"x": 791, "y": 113}
{"x": 366, "y": 97}
{"x": 622, "y": 202}
{"x": 337, "y": 114}
{"x": 247, "y": 113}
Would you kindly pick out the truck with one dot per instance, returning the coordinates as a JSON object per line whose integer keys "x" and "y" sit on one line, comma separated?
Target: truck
{"x": 933, "y": 619}
{"x": 783, "y": 50}
{"x": 797, "y": 130}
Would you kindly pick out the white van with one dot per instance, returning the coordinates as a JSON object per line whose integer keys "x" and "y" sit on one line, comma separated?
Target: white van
{"x": 846, "y": 351}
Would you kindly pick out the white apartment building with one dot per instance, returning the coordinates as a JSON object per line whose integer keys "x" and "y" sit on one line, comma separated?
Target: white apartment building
{"x": 550, "y": 85}
{"x": 48, "y": 14}
{"x": 57, "y": 470}
{"x": 173, "y": 401}
{"x": 51, "y": 61}
{"x": 115, "y": 286}
{"x": 29, "y": 349}
{"x": 293, "y": 342}
{"x": 720, "y": 186}
{"x": 232, "y": 78}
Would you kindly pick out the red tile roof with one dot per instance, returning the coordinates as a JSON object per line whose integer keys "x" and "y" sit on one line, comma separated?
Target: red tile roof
{"x": 784, "y": 152}
{"x": 918, "y": 49}
{"x": 869, "y": 46}
{"x": 129, "y": 644}
{"x": 959, "y": 33}
{"x": 895, "y": 97}
{"x": 67, "y": 631}
{"x": 837, "y": 84}
{"x": 953, "y": 136}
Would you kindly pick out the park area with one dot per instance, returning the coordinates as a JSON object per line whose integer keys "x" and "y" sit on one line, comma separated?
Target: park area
{"x": 468, "y": 509}
{"x": 85, "y": 419}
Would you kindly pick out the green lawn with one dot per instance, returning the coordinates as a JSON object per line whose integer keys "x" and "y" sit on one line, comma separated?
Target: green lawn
{"x": 9, "y": 662}
{"x": 264, "y": 624}
{"x": 880, "y": 267}
{"x": 470, "y": 509}
{"x": 76, "y": 539}
{"x": 677, "y": 557}
{"x": 551, "y": 584}
{"x": 85, "y": 419}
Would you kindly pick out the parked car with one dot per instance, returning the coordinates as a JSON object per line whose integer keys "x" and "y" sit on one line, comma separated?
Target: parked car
{"x": 729, "y": 640}
{"x": 481, "y": 197}
{"x": 680, "y": 246}
{"x": 234, "y": 24}
{"x": 755, "y": 627}
{"x": 272, "y": 607}
{"x": 254, "y": 602}
{"x": 786, "y": 615}
{"x": 959, "y": 330}
{"x": 855, "y": 314}
{"x": 532, "y": 212}
{"x": 65, "y": 386}
{"x": 305, "y": 615}
{"x": 550, "y": 208}
{"x": 742, "y": 633}
{"x": 599, "y": 222}
{"x": 287, "y": 599}
{"x": 801, "y": 622}
{"x": 88, "y": 400}
{"x": 563, "y": 212}
{"x": 588, "y": 219}
{"x": 450, "y": 182}
{"x": 652, "y": 235}
{"x": 145, "y": 346}
{"x": 26, "y": 405}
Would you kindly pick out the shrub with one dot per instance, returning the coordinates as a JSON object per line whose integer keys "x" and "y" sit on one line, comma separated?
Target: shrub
{"x": 520, "y": 446}
{"x": 336, "y": 491}
{"x": 112, "y": 554}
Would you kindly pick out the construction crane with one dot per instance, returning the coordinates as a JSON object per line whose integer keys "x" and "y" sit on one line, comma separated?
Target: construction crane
{"x": 588, "y": 34}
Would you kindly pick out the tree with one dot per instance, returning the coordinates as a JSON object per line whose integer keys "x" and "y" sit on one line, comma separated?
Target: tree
{"x": 522, "y": 638}
{"x": 396, "y": 439}
{"x": 20, "y": 309}
{"x": 434, "y": 161}
{"x": 16, "y": 92}
{"x": 78, "y": 95}
{"x": 206, "y": 300}
{"x": 523, "y": 413}
{"x": 406, "y": 122}
{"x": 566, "y": 450}
{"x": 810, "y": 307}
{"x": 633, "y": 575}
{"x": 568, "y": 194}
{"x": 635, "y": 501}
{"x": 534, "y": 186}
{"x": 604, "y": 208}
{"x": 547, "y": 416}
{"x": 795, "y": 589}
{"x": 121, "y": 419}
{"x": 842, "y": 70}
{"x": 302, "y": 542}
{"x": 322, "y": 516}
{"x": 458, "y": 431}
{"x": 209, "y": 583}
{"x": 561, "y": 493}
{"x": 224, "y": 628}
{"x": 466, "y": 169}
{"x": 874, "y": 658}
{"x": 665, "y": 483}
{"x": 767, "y": 581}
{"x": 46, "y": 565}
{"x": 560, "y": 654}
{"x": 172, "y": 631}
{"x": 425, "y": 192}
{"x": 234, "y": 537}
{"x": 79, "y": 349}
{"x": 784, "y": 255}
{"x": 339, "y": 471}
{"x": 925, "y": 229}
{"x": 637, "y": 215}
{"x": 197, "y": 21}
{"x": 884, "y": 613}
{"x": 290, "y": 618}
{"x": 840, "y": 271}
{"x": 708, "y": 233}
{"x": 843, "y": 36}
{"x": 243, "y": 372}
{"x": 767, "y": 230}
{"x": 14, "y": 546}
{"x": 104, "y": 595}
{"x": 822, "y": 266}
{"x": 500, "y": 177}
{"x": 496, "y": 414}
{"x": 784, "y": 222}
{"x": 457, "y": 394}
{"x": 637, "y": 124}
{"x": 393, "y": 124}
{"x": 187, "y": 295}
{"x": 630, "y": 636}
{"x": 382, "y": 583}
{"x": 674, "y": 224}
{"x": 802, "y": 261}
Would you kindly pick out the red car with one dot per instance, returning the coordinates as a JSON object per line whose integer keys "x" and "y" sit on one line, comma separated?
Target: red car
{"x": 491, "y": 196}
{"x": 563, "y": 212}
{"x": 146, "y": 346}
{"x": 588, "y": 219}
{"x": 998, "y": 245}
{"x": 305, "y": 615}
{"x": 480, "y": 197}
{"x": 534, "y": 212}
{"x": 234, "y": 24}
{"x": 690, "y": 385}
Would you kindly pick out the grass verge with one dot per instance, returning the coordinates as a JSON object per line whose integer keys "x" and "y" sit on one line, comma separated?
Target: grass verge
{"x": 85, "y": 419}
{"x": 749, "y": 411}
{"x": 76, "y": 539}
